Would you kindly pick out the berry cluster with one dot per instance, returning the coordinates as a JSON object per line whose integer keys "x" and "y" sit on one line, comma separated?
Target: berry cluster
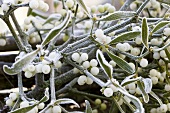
{"x": 101, "y": 38}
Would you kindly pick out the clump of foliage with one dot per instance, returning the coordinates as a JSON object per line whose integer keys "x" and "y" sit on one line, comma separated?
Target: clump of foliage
{"x": 112, "y": 60}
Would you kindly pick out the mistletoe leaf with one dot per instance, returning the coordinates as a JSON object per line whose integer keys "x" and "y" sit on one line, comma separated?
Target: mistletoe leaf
{"x": 120, "y": 62}
{"x": 21, "y": 63}
{"x": 125, "y": 36}
{"x": 53, "y": 33}
{"x": 118, "y": 15}
{"x": 104, "y": 64}
{"x": 145, "y": 33}
{"x": 88, "y": 107}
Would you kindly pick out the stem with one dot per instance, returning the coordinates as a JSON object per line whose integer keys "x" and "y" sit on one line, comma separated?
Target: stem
{"x": 17, "y": 40}
{"x": 67, "y": 87}
{"x": 20, "y": 85}
{"x": 126, "y": 5}
{"x": 21, "y": 34}
{"x": 52, "y": 85}
{"x": 74, "y": 91}
{"x": 142, "y": 7}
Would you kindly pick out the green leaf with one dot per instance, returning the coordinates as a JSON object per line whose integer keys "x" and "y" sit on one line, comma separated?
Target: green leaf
{"x": 88, "y": 107}
{"x": 118, "y": 105}
{"x": 125, "y": 36}
{"x": 24, "y": 110}
{"x": 46, "y": 96}
{"x": 144, "y": 94}
{"x": 162, "y": 48}
{"x": 156, "y": 97}
{"x": 118, "y": 15}
{"x": 65, "y": 101}
{"x": 52, "y": 17}
{"x": 134, "y": 100}
{"x": 104, "y": 64}
{"x": 57, "y": 30}
{"x": 120, "y": 62}
{"x": 159, "y": 26}
{"x": 167, "y": 94}
{"x": 167, "y": 53}
{"x": 84, "y": 7}
{"x": 145, "y": 33}
{"x": 127, "y": 80}
{"x": 21, "y": 63}
{"x": 113, "y": 108}
{"x": 148, "y": 84}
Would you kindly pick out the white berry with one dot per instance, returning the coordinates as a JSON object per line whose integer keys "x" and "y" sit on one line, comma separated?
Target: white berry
{"x": 84, "y": 56}
{"x": 13, "y": 96}
{"x": 121, "y": 47}
{"x": 135, "y": 51}
{"x": 167, "y": 87}
{"x": 5, "y": 7}
{"x": 56, "y": 109}
{"x": 164, "y": 108}
{"x": 75, "y": 71}
{"x": 154, "y": 80}
{"x": 133, "y": 6}
{"x": 24, "y": 104}
{"x": 153, "y": 110}
{"x": 86, "y": 64}
{"x": 113, "y": 63}
{"x": 93, "y": 9}
{"x": 46, "y": 69}
{"x": 46, "y": 7}
{"x": 101, "y": 8}
{"x": 132, "y": 65}
{"x": 138, "y": 40}
{"x": 31, "y": 68}
{"x": 114, "y": 88}
{"x": 94, "y": 70}
{"x": 82, "y": 80}
{"x": 38, "y": 68}
{"x": 153, "y": 72}
{"x": 88, "y": 24}
{"x": 28, "y": 74}
{"x": 111, "y": 9}
{"x": 34, "y": 4}
{"x": 93, "y": 63}
{"x": 89, "y": 81}
{"x": 156, "y": 55}
{"x": 143, "y": 62}
{"x": 75, "y": 56}
{"x": 167, "y": 31}
{"x": 108, "y": 92}
{"x": 132, "y": 86}
{"x": 41, "y": 105}
{"x": 99, "y": 33}
{"x": 9, "y": 102}
{"x": 2, "y": 42}
{"x": 163, "y": 54}
{"x": 58, "y": 64}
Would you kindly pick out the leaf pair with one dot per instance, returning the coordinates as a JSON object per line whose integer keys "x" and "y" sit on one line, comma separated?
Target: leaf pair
{"x": 26, "y": 109}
